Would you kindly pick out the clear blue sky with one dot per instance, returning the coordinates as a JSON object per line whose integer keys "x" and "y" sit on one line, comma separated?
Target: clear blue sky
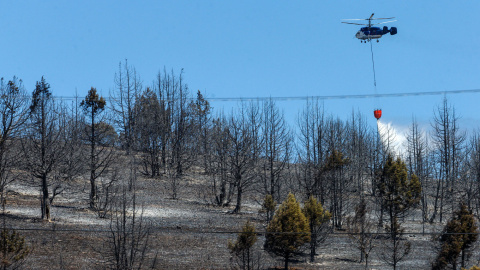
{"x": 253, "y": 48}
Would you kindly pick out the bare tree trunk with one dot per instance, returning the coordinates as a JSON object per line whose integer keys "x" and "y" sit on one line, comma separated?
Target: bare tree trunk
{"x": 93, "y": 188}
{"x": 45, "y": 203}
{"x": 238, "y": 206}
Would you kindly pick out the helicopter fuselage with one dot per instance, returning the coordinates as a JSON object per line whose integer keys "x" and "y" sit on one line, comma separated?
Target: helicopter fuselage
{"x": 369, "y": 33}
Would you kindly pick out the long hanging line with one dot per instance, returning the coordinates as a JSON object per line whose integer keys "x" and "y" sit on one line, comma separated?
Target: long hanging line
{"x": 379, "y": 139}
{"x": 373, "y": 62}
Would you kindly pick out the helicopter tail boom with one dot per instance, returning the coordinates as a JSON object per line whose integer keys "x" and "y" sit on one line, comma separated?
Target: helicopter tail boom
{"x": 392, "y": 30}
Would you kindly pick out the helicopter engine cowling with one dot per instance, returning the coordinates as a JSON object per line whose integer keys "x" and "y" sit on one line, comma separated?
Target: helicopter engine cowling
{"x": 385, "y": 30}
{"x": 393, "y": 31}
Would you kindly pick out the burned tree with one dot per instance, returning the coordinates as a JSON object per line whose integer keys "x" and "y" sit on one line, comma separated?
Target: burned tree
{"x": 127, "y": 89}
{"x": 101, "y": 154}
{"x": 276, "y": 148}
{"x": 241, "y": 162}
{"x": 221, "y": 187}
{"x": 448, "y": 141}
{"x": 127, "y": 244}
{"x": 334, "y": 169}
{"x": 418, "y": 163}
{"x": 43, "y": 148}
{"x": 362, "y": 231}
{"x": 13, "y": 114}
{"x": 148, "y": 131}
{"x": 202, "y": 120}
{"x": 312, "y": 151}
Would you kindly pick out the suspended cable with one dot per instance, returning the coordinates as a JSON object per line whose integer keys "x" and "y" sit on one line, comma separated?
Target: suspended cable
{"x": 360, "y": 96}
{"x": 294, "y": 98}
{"x": 373, "y": 62}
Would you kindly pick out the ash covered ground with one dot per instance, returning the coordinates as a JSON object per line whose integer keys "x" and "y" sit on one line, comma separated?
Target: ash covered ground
{"x": 185, "y": 233}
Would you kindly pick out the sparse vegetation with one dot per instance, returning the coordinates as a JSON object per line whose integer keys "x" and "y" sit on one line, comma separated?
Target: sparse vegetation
{"x": 268, "y": 207}
{"x": 362, "y": 231}
{"x": 458, "y": 236}
{"x": 242, "y": 248}
{"x": 13, "y": 249}
{"x": 88, "y": 152}
{"x": 318, "y": 219}
{"x": 398, "y": 195}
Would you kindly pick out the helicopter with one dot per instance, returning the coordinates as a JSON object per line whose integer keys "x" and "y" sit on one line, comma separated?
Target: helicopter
{"x": 368, "y": 33}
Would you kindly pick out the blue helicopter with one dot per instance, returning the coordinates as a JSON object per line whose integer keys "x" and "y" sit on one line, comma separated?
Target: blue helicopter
{"x": 368, "y": 33}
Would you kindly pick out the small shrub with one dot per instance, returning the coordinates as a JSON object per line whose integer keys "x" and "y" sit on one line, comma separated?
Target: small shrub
{"x": 13, "y": 249}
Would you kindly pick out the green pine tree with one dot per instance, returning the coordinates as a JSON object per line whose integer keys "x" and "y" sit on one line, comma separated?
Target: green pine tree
{"x": 13, "y": 249}
{"x": 458, "y": 236}
{"x": 397, "y": 195}
{"x": 288, "y": 230}
{"x": 318, "y": 219}
{"x": 242, "y": 248}
{"x": 268, "y": 206}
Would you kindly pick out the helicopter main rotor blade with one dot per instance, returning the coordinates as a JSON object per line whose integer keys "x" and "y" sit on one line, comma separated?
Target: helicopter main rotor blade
{"x": 384, "y": 22}
{"x": 355, "y": 23}
{"x": 368, "y": 19}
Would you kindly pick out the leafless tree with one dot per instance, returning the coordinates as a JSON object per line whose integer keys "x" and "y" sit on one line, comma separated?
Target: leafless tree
{"x": 181, "y": 147}
{"x": 176, "y": 128}
{"x": 148, "y": 121}
{"x": 127, "y": 245}
{"x": 202, "y": 120}
{"x": 108, "y": 191}
{"x": 73, "y": 163}
{"x": 277, "y": 144}
{"x": 254, "y": 118}
{"x": 335, "y": 171}
{"x": 473, "y": 191}
{"x": 255, "y": 121}
{"x": 449, "y": 142}
{"x": 311, "y": 150}
{"x": 417, "y": 160}
{"x": 13, "y": 114}
{"x": 44, "y": 146}
{"x": 127, "y": 89}
{"x": 357, "y": 149}
{"x": 221, "y": 186}
{"x": 241, "y": 163}
{"x": 164, "y": 86}
{"x": 71, "y": 128}
{"x": 382, "y": 147}
{"x": 362, "y": 231}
